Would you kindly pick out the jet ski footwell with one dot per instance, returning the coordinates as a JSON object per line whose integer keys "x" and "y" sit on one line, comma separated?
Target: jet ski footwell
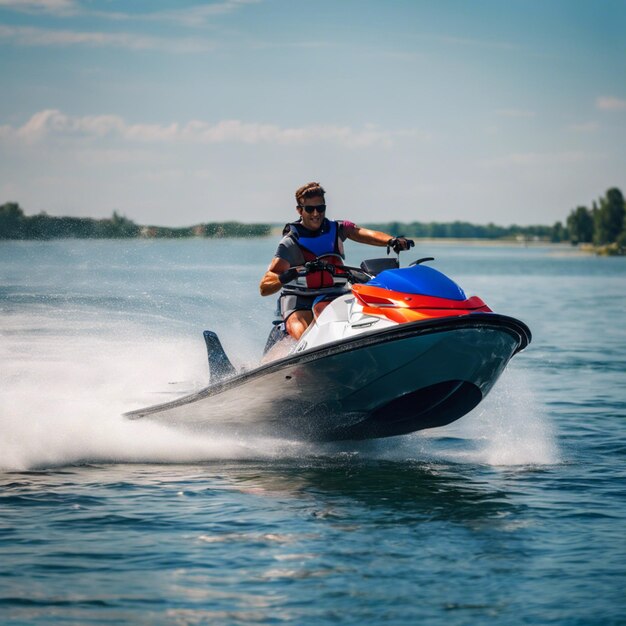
{"x": 384, "y": 383}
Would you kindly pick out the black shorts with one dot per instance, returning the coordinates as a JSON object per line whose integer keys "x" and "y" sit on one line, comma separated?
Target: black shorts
{"x": 290, "y": 303}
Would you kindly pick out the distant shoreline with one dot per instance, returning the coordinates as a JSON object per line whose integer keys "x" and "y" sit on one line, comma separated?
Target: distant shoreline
{"x": 16, "y": 225}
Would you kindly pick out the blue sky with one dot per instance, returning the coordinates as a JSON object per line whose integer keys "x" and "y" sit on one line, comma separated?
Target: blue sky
{"x": 176, "y": 113}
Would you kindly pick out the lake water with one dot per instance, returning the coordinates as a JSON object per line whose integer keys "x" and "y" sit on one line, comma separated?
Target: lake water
{"x": 516, "y": 514}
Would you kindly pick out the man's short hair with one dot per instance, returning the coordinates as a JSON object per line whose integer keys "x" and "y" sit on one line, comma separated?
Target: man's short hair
{"x": 310, "y": 190}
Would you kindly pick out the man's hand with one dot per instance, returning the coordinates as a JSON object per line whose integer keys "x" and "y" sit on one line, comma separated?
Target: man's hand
{"x": 400, "y": 243}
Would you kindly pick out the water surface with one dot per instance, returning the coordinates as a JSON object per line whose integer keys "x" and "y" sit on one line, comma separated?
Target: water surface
{"x": 516, "y": 514}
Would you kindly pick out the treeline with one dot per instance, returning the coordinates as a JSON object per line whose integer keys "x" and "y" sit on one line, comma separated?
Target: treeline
{"x": 604, "y": 224}
{"x": 14, "y": 224}
{"x": 465, "y": 230}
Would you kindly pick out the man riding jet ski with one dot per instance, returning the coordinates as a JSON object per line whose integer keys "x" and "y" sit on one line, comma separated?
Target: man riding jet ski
{"x": 401, "y": 350}
{"x": 311, "y": 237}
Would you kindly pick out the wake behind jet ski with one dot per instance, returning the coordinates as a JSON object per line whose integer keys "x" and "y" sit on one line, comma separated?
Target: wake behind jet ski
{"x": 405, "y": 349}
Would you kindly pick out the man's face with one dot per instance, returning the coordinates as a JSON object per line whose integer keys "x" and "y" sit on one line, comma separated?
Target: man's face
{"x": 313, "y": 220}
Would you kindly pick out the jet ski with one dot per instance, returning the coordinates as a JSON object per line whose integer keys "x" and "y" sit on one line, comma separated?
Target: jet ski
{"x": 403, "y": 350}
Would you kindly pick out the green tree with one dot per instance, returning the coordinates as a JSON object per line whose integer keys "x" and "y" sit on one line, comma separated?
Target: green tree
{"x": 580, "y": 225}
{"x": 559, "y": 233}
{"x": 608, "y": 219}
{"x": 121, "y": 227}
{"x": 12, "y": 221}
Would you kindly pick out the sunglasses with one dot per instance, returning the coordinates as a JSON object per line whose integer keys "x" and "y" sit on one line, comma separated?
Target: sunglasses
{"x": 320, "y": 208}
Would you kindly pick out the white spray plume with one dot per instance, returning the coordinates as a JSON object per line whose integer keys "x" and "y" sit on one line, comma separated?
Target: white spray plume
{"x": 62, "y": 398}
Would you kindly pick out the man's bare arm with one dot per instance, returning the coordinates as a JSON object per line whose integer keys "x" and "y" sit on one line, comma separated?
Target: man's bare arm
{"x": 365, "y": 235}
{"x": 270, "y": 282}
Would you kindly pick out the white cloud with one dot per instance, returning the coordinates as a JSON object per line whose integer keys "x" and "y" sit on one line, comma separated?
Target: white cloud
{"x": 51, "y": 124}
{"x": 609, "y": 103}
{"x": 48, "y": 6}
{"x": 28, "y": 36}
{"x": 189, "y": 16}
{"x": 199, "y": 15}
{"x": 54, "y": 122}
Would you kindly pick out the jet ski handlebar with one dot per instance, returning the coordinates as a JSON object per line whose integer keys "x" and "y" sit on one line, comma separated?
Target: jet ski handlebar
{"x": 367, "y": 271}
{"x": 353, "y": 274}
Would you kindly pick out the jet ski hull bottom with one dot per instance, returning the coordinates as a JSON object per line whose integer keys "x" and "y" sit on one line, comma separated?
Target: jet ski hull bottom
{"x": 381, "y": 384}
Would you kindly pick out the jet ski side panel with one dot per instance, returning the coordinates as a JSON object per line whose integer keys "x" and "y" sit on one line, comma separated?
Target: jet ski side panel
{"x": 380, "y": 384}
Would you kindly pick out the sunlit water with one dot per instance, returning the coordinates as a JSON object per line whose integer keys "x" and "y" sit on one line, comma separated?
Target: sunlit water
{"x": 516, "y": 514}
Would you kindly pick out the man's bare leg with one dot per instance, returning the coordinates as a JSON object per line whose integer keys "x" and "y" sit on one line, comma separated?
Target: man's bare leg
{"x": 319, "y": 307}
{"x": 298, "y": 322}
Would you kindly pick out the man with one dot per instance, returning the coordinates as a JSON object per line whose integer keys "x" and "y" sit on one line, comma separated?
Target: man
{"x": 311, "y": 237}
